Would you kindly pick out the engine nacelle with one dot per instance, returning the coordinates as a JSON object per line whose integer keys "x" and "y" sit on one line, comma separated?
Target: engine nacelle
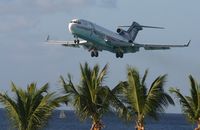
{"x": 130, "y": 41}
{"x": 120, "y": 31}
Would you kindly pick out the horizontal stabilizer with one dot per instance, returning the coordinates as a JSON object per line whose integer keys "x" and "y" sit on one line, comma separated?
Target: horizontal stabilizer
{"x": 145, "y": 27}
{"x": 152, "y": 27}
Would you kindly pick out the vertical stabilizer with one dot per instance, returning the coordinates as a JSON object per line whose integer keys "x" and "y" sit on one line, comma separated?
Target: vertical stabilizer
{"x": 133, "y": 30}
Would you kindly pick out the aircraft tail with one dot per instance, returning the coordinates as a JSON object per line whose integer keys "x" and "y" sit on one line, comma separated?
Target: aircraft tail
{"x": 135, "y": 28}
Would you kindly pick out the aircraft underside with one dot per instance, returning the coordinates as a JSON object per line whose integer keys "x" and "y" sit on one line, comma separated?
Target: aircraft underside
{"x": 100, "y": 45}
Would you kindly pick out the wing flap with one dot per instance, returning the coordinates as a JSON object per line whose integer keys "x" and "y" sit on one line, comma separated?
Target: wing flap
{"x": 156, "y": 48}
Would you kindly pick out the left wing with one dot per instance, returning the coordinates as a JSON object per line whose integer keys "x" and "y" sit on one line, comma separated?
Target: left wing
{"x": 160, "y": 47}
{"x": 67, "y": 43}
{"x": 85, "y": 44}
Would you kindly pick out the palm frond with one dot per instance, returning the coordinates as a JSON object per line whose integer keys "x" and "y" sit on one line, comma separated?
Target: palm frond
{"x": 87, "y": 98}
{"x": 144, "y": 78}
{"x": 186, "y": 106}
{"x": 102, "y": 74}
{"x": 119, "y": 102}
{"x": 135, "y": 95}
{"x": 32, "y": 108}
{"x": 156, "y": 98}
{"x": 137, "y": 100}
{"x": 194, "y": 92}
{"x": 69, "y": 87}
{"x": 11, "y": 108}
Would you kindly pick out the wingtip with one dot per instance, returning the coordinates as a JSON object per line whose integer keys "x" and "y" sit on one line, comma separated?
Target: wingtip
{"x": 48, "y": 37}
{"x": 188, "y": 43}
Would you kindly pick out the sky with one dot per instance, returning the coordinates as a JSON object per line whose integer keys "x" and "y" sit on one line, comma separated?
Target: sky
{"x": 25, "y": 24}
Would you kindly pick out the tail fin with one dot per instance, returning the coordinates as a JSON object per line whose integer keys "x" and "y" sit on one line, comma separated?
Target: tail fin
{"x": 135, "y": 28}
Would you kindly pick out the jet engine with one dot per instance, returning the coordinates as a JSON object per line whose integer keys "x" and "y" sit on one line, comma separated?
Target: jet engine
{"x": 120, "y": 31}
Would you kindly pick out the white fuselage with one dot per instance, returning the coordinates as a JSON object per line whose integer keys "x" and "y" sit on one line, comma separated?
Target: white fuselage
{"x": 96, "y": 34}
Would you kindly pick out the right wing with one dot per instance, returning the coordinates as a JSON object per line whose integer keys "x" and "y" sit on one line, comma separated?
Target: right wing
{"x": 160, "y": 47}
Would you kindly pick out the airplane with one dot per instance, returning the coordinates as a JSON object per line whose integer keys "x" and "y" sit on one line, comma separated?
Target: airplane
{"x": 97, "y": 38}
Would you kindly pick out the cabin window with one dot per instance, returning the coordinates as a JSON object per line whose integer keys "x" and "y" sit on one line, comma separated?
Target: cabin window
{"x": 75, "y": 21}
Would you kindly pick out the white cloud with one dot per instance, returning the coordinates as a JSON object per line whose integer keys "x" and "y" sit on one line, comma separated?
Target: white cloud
{"x": 48, "y": 6}
{"x": 107, "y": 3}
{"x": 11, "y": 23}
{"x": 24, "y": 14}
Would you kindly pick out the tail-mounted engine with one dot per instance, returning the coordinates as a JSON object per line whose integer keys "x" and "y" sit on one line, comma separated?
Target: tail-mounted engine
{"x": 123, "y": 33}
{"x": 120, "y": 31}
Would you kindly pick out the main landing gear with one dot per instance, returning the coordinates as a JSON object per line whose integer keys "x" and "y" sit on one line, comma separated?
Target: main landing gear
{"x": 94, "y": 54}
{"x": 119, "y": 54}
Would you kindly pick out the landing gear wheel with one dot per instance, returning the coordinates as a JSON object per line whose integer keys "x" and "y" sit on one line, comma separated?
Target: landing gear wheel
{"x": 119, "y": 54}
{"x": 96, "y": 54}
{"x": 77, "y": 41}
{"x": 92, "y": 54}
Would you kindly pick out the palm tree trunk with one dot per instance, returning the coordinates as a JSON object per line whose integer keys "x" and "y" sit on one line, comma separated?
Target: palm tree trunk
{"x": 96, "y": 126}
{"x": 198, "y": 125}
{"x": 139, "y": 126}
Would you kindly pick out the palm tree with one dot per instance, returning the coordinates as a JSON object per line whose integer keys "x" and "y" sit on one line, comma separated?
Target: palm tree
{"x": 190, "y": 104}
{"x": 138, "y": 101}
{"x": 90, "y": 98}
{"x": 31, "y": 108}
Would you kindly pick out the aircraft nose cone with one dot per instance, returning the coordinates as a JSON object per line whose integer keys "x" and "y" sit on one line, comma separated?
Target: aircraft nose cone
{"x": 71, "y": 27}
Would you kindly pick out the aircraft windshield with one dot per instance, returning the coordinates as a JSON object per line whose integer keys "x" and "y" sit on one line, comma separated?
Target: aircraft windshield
{"x": 75, "y": 21}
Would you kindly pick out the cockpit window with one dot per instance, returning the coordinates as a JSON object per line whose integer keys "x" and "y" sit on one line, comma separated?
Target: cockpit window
{"x": 75, "y": 21}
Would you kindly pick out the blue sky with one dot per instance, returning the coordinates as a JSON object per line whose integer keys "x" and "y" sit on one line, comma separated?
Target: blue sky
{"x": 24, "y": 25}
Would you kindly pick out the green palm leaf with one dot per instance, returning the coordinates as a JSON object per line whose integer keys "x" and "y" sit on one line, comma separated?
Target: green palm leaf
{"x": 138, "y": 101}
{"x": 190, "y": 104}
{"x": 30, "y": 109}
{"x": 90, "y": 97}
{"x": 186, "y": 106}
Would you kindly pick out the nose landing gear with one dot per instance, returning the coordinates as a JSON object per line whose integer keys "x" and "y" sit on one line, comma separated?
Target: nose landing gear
{"x": 76, "y": 41}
